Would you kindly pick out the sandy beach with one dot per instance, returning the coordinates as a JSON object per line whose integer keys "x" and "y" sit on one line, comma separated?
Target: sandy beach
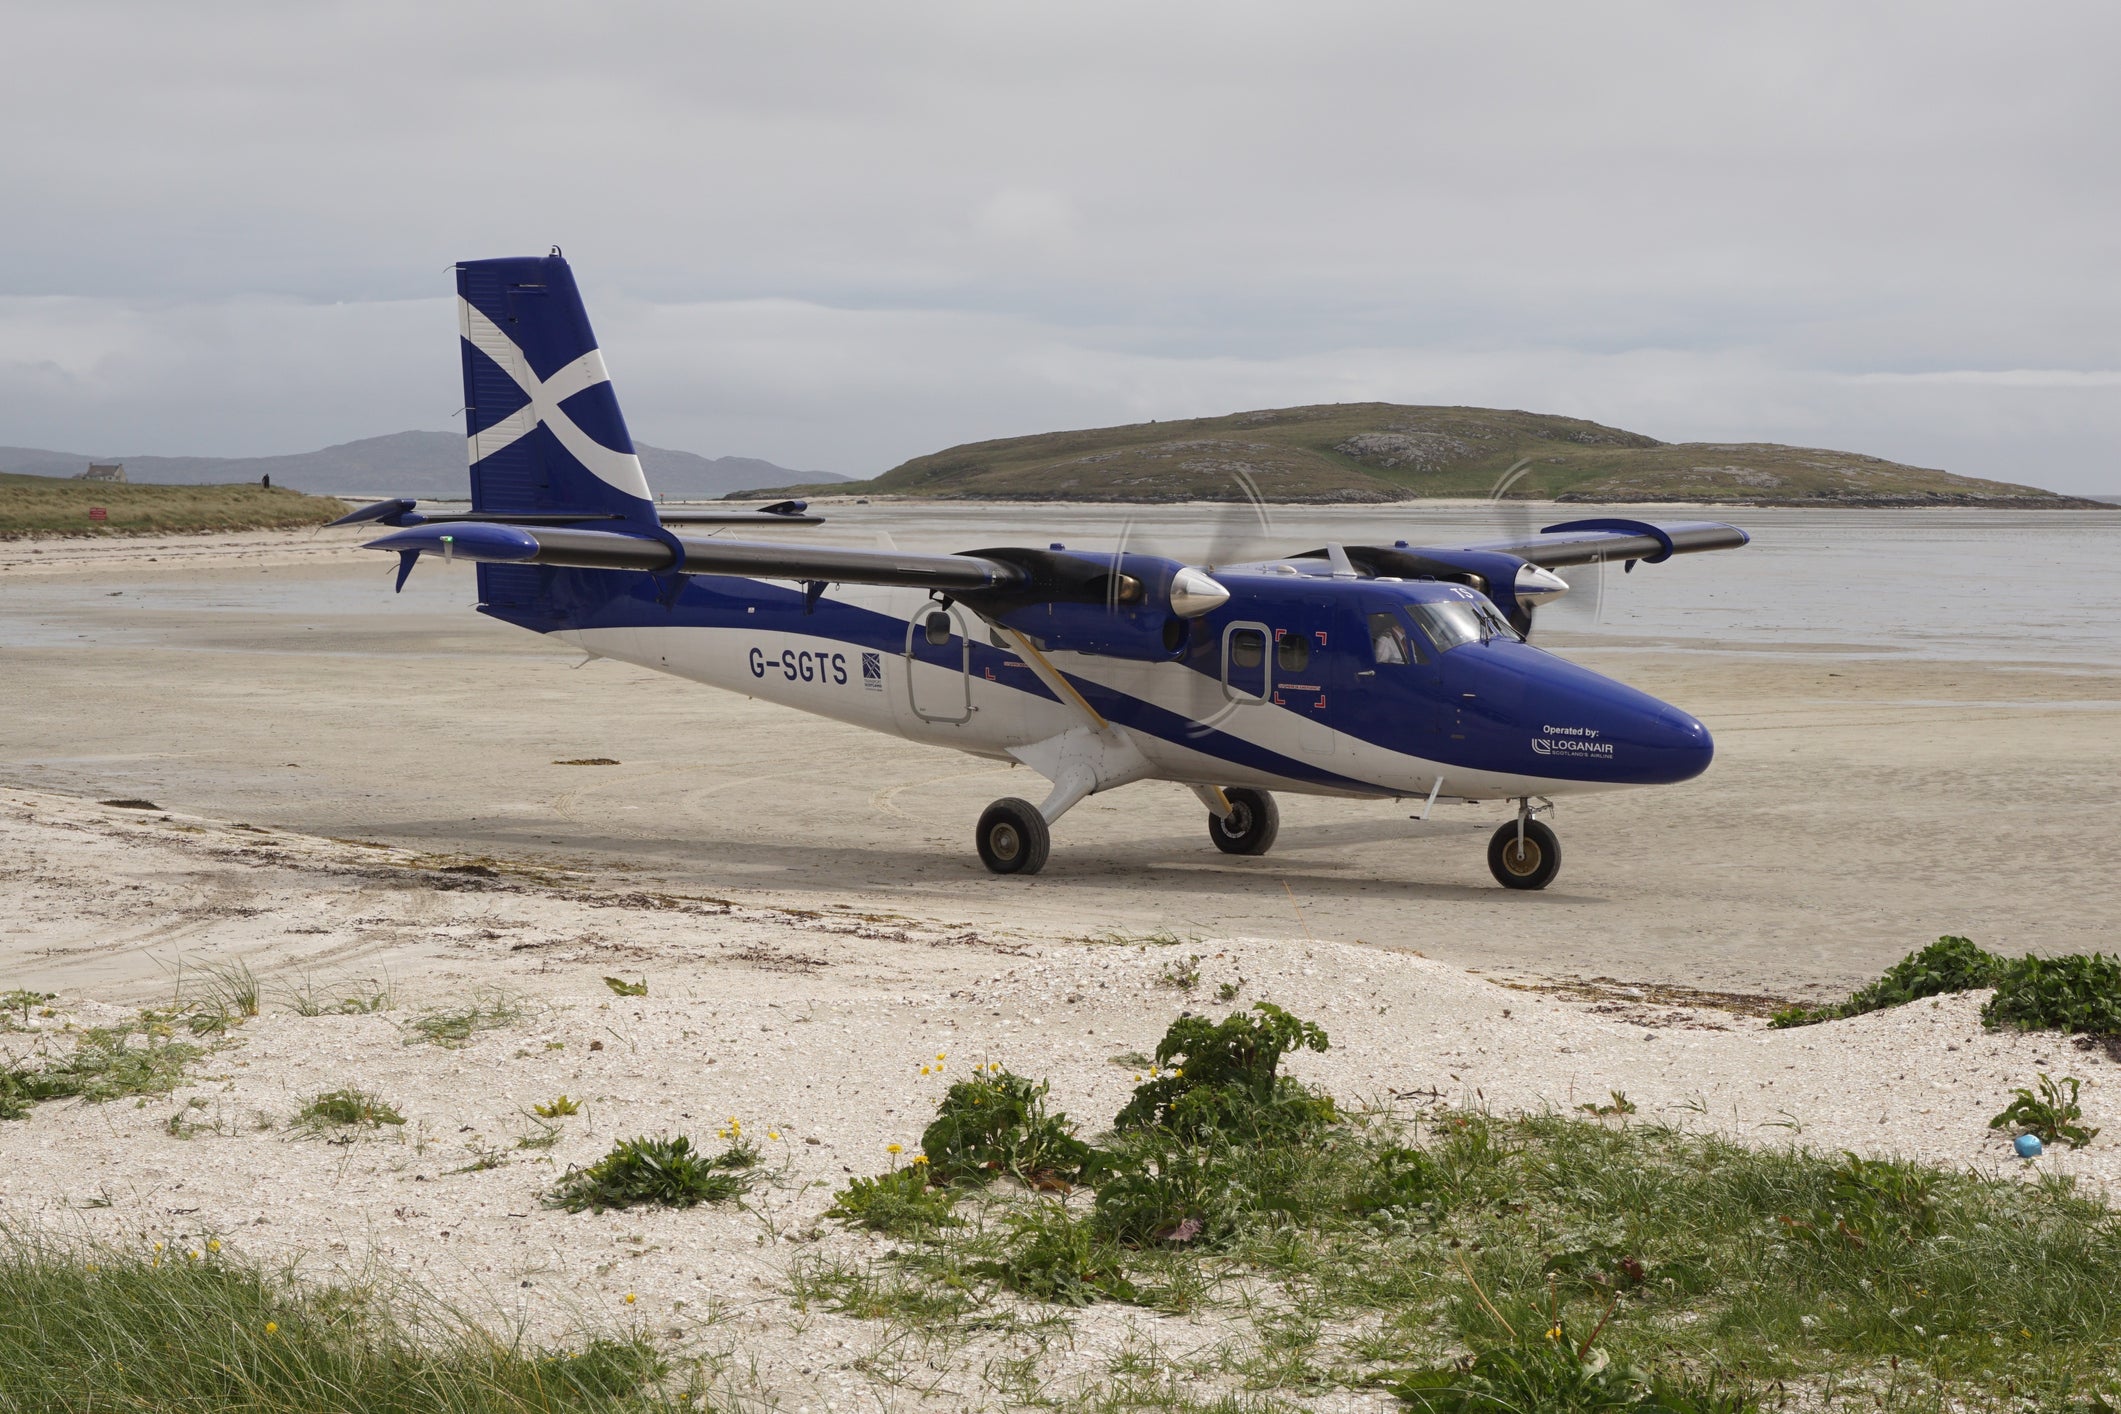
{"x": 352, "y": 792}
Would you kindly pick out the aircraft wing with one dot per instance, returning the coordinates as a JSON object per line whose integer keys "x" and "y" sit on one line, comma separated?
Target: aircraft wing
{"x": 1583, "y": 542}
{"x": 490, "y": 542}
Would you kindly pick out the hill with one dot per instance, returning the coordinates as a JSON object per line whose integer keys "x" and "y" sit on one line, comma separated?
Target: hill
{"x": 426, "y": 464}
{"x": 44, "y": 505}
{"x": 1379, "y": 452}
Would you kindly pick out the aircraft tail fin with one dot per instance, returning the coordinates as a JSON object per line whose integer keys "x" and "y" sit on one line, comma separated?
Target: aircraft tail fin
{"x": 543, "y": 429}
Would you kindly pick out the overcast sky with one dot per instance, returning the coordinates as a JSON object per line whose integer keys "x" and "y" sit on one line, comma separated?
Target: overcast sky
{"x": 840, "y": 235}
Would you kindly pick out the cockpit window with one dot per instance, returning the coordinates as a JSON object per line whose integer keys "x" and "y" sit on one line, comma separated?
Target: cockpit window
{"x": 1391, "y": 643}
{"x": 1456, "y": 621}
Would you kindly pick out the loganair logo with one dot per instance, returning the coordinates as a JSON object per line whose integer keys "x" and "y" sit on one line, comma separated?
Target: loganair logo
{"x": 1571, "y": 741}
{"x": 873, "y": 671}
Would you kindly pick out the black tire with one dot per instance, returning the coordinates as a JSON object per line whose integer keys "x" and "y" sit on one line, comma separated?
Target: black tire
{"x": 1251, "y": 825}
{"x": 1013, "y": 838}
{"x": 1538, "y": 863}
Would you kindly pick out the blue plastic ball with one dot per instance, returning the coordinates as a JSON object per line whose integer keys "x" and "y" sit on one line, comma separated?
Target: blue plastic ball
{"x": 2027, "y": 1145}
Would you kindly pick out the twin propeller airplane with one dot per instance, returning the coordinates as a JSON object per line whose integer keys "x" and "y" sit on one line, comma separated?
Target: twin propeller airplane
{"x": 1391, "y": 672}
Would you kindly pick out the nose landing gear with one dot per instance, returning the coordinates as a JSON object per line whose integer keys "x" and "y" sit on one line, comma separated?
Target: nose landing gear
{"x": 1525, "y": 853}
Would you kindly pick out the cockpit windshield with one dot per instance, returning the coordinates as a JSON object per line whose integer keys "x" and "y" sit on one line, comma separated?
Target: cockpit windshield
{"x": 1455, "y": 621}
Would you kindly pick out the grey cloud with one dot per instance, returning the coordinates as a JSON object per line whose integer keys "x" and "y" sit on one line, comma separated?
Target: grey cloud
{"x": 879, "y": 229}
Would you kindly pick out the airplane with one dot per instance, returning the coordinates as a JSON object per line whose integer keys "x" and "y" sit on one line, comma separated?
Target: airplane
{"x": 1390, "y": 672}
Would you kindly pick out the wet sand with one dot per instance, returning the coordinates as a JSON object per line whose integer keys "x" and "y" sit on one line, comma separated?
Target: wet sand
{"x": 1862, "y": 802}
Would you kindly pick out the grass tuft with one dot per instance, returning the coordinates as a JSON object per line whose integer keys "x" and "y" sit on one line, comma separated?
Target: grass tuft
{"x": 107, "y": 1063}
{"x": 901, "y": 1203}
{"x": 667, "y": 1172}
{"x": 115, "y": 1329}
{"x": 455, "y": 1026}
{"x": 348, "y": 1107}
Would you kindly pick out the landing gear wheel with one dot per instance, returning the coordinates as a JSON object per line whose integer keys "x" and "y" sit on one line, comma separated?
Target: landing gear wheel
{"x": 1531, "y": 865}
{"x": 1013, "y": 838}
{"x": 1250, "y": 826}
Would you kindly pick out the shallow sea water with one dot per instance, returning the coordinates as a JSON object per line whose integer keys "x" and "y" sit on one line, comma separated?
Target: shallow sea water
{"x": 2037, "y": 587}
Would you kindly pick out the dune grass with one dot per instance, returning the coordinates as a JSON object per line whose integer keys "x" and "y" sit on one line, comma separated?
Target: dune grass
{"x": 106, "y": 1062}
{"x": 1553, "y": 1262}
{"x": 50, "y": 505}
{"x": 190, "y": 1330}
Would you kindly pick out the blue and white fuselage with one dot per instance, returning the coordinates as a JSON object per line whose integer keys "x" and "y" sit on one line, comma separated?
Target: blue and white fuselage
{"x": 1362, "y": 671}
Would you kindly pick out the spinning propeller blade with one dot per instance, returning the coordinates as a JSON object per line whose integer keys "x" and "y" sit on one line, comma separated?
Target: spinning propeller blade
{"x": 1579, "y": 594}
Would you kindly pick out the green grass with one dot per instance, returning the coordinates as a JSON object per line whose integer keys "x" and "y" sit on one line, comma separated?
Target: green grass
{"x": 665, "y": 1172}
{"x": 50, "y": 505}
{"x": 106, "y": 1063}
{"x": 96, "y": 1329}
{"x": 455, "y": 1026}
{"x": 348, "y": 1107}
{"x": 1370, "y": 452}
{"x": 357, "y": 998}
{"x": 1546, "y": 1262}
{"x": 2073, "y": 993}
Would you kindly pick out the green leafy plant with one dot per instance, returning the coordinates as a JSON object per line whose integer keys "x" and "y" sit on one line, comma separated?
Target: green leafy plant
{"x": 1620, "y": 1104}
{"x": 1181, "y": 976}
{"x": 2051, "y": 1115}
{"x": 623, "y": 988}
{"x": 665, "y": 1171}
{"x": 1055, "y": 1257}
{"x": 1951, "y": 964}
{"x": 22, "y": 1001}
{"x": 997, "y": 1124}
{"x": 901, "y": 1203}
{"x": 557, "y": 1106}
{"x": 107, "y": 1062}
{"x": 1177, "y": 1196}
{"x": 1225, "y": 1078}
{"x": 348, "y": 1107}
{"x": 2069, "y": 994}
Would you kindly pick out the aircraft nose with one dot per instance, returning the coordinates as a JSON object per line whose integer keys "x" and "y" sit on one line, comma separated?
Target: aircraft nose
{"x": 1680, "y": 746}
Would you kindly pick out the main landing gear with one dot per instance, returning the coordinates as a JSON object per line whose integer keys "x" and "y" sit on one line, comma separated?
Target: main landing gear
{"x": 1013, "y": 838}
{"x": 1525, "y": 853}
{"x": 1250, "y": 826}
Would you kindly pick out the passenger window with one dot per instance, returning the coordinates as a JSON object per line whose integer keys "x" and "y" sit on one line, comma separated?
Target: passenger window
{"x": 1391, "y": 643}
{"x": 1248, "y": 648}
{"x": 1292, "y": 651}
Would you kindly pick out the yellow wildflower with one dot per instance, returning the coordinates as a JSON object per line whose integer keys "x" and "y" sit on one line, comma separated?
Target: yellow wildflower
{"x": 629, "y": 1298}
{"x": 773, "y": 1134}
{"x": 920, "y": 1158}
{"x": 939, "y": 1055}
{"x": 213, "y": 1244}
{"x": 193, "y": 1254}
{"x": 1554, "y": 1333}
{"x": 892, "y": 1149}
{"x": 272, "y": 1327}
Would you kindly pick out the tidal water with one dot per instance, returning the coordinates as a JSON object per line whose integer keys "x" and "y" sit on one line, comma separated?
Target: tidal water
{"x": 2013, "y": 586}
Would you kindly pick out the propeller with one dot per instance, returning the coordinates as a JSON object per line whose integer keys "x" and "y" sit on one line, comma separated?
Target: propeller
{"x": 1540, "y": 592}
{"x": 1239, "y": 530}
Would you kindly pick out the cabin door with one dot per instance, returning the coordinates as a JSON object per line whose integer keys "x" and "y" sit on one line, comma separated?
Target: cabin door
{"x": 939, "y": 665}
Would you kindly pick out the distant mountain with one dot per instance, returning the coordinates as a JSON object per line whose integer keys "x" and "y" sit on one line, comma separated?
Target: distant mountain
{"x": 425, "y": 464}
{"x": 1380, "y": 452}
